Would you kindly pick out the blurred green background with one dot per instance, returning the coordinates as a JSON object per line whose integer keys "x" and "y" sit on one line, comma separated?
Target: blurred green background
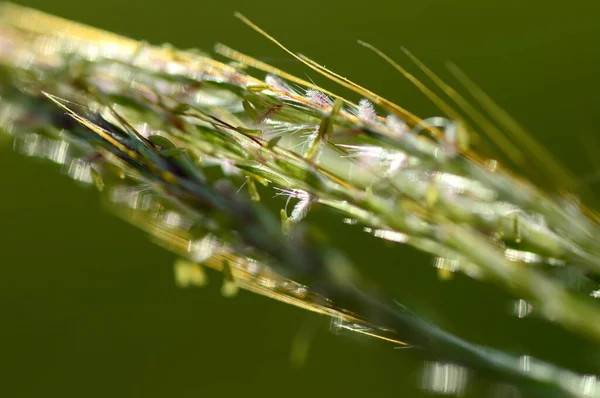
{"x": 89, "y": 308}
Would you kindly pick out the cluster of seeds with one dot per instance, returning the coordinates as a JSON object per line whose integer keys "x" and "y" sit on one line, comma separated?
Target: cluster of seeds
{"x": 169, "y": 137}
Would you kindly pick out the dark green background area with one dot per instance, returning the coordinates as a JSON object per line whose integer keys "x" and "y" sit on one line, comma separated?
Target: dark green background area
{"x": 89, "y": 308}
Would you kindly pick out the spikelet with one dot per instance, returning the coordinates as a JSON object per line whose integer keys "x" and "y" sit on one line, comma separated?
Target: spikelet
{"x": 142, "y": 123}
